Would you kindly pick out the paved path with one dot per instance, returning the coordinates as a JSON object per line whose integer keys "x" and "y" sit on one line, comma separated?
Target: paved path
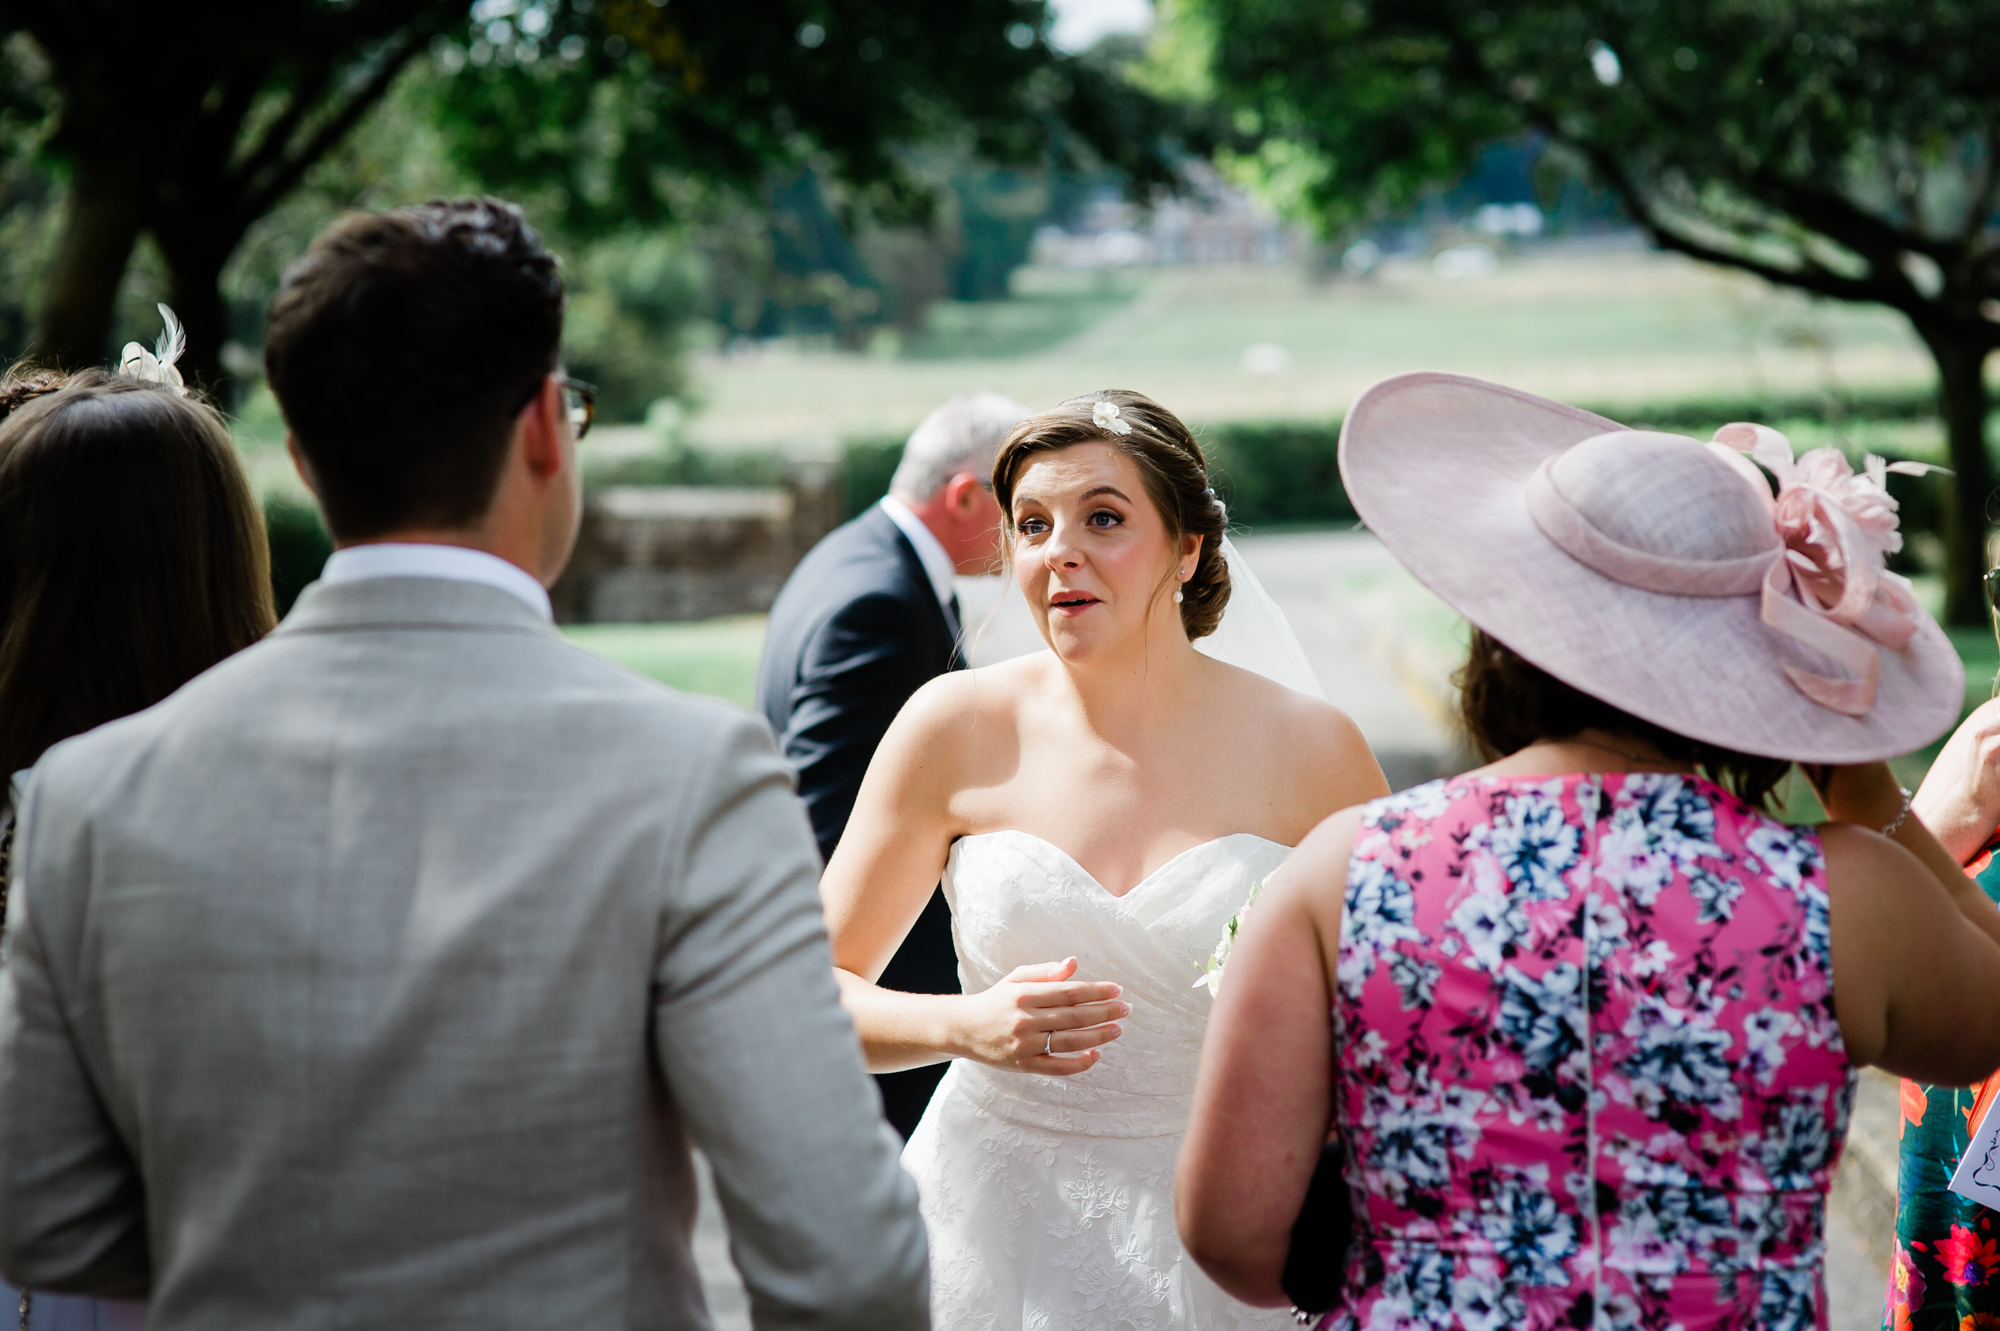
{"x": 1383, "y": 649}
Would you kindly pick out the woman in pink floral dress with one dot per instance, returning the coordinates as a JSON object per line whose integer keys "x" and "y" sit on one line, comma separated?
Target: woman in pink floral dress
{"x": 1586, "y": 1020}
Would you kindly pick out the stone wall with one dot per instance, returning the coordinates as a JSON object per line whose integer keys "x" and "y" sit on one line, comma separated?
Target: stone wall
{"x": 662, "y": 552}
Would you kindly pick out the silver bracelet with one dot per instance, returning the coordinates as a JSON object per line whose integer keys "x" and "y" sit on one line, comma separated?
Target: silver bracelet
{"x": 1901, "y": 813}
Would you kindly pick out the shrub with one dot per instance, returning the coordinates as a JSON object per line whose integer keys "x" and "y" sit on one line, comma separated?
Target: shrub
{"x": 299, "y": 547}
{"x": 679, "y": 464}
{"x": 865, "y": 468}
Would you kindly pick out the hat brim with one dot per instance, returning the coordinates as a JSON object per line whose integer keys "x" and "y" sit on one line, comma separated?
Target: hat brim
{"x": 1437, "y": 466}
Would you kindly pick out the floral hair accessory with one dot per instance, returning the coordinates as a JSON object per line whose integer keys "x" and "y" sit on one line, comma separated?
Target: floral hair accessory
{"x": 157, "y": 365}
{"x": 1105, "y": 416}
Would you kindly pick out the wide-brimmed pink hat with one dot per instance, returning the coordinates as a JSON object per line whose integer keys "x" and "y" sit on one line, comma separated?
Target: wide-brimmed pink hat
{"x": 1658, "y": 573}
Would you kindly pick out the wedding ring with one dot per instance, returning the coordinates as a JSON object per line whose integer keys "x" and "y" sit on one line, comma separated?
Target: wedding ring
{"x": 1049, "y": 1044}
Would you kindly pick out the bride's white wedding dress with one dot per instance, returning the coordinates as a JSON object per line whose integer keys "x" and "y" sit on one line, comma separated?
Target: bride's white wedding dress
{"x": 1050, "y": 1199}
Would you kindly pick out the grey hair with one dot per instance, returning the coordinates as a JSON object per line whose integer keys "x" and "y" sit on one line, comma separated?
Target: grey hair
{"x": 964, "y": 434}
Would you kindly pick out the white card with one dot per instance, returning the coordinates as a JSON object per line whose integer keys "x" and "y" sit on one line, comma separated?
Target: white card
{"x": 1978, "y": 1174}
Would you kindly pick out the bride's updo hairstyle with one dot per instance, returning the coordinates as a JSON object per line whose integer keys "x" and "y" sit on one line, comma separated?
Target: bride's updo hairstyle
{"x": 1171, "y": 466}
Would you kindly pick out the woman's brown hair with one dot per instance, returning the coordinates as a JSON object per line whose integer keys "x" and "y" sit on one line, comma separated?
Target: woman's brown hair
{"x": 132, "y": 553}
{"x": 1507, "y": 703}
{"x": 1170, "y": 465}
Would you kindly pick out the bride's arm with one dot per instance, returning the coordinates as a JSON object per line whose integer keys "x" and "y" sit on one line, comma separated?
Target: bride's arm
{"x": 889, "y": 860}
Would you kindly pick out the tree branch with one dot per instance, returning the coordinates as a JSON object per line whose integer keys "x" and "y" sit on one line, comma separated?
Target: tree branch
{"x": 1839, "y": 219}
{"x": 1896, "y": 292}
{"x": 280, "y": 182}
{"x": 279, "y": 132}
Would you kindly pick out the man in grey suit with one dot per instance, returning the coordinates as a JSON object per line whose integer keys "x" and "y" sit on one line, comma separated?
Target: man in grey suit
{"x": 382, "y": 976}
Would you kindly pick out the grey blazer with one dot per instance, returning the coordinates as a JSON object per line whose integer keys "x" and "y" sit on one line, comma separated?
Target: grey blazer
{"x": 382, "y": 976}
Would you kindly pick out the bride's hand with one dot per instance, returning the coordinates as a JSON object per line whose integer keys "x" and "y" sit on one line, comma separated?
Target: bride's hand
{"x": 1041, "y": 1020}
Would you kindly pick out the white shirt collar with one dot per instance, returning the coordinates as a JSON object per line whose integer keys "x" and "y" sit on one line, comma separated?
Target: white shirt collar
{"x": 455, "y": 563}
{"x": 930, "y": 551}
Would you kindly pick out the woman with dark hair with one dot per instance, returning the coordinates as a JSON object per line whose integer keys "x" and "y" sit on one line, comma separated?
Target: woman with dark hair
{"x": 132, "y": 558}
{"x": 1587, "y": 1019}
{"x": 1097, "y": 812}
{"x": 1945, "y": 1271}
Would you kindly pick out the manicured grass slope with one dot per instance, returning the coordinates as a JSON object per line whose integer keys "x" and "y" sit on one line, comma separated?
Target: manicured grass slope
{"x": 717, "y": 657}
{"x": 1621, "y": 331}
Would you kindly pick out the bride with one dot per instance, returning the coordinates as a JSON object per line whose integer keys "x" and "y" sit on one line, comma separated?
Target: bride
{"x": 1097, "y": 812}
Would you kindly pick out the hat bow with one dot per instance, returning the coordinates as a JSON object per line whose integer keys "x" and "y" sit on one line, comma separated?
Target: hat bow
{"x": 1824, "y": 583}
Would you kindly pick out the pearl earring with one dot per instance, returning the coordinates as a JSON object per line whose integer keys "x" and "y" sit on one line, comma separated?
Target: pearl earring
{"x": 1177, "y": 596}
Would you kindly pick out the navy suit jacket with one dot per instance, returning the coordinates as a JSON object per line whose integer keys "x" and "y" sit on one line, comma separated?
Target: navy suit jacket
{"x": 856, "y": 630}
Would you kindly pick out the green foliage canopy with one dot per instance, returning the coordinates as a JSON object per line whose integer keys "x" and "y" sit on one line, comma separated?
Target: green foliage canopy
{"x": 619, "y": 104}
{"x": 617, "y": 114}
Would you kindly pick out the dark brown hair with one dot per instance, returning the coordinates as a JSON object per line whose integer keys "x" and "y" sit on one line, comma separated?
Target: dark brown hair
{"x": 1507, "y": 703}
{"x": 1170, "y": 465}
{"x": 132, "y": 554}
{"x": 401, "y": 348}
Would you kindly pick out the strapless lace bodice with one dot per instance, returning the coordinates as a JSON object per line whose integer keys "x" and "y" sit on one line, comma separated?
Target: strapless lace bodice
{"x": 1016, "y": 899}
{"x": 1050, "y": 1199}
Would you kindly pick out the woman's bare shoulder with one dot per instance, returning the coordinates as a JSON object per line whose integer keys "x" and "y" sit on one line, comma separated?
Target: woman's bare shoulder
{"x": 1860, "y": 852}
{"x": 1317, "y": 744}
{"x": 956, "y": 707}
{"x": 1284, "y": 707}
{"x": 983, "y": 691}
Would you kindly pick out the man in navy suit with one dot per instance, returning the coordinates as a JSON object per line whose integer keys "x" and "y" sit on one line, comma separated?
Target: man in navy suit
{"x": 864, "y": 621}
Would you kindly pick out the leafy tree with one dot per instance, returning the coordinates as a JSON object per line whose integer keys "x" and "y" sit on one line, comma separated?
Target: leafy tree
{"x": 615, "y": 113}
{"x": 620, "y": 104}
{"x": 633, "y": 292}
{"x": 1843, "y": 147}
{"x": 191, "y": 125}
{"x": 27, "y": 195}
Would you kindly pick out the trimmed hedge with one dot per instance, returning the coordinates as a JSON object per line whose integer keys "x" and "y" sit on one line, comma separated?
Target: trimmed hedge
{"x": 1288, "y": 474}
{"x": 865, "y": 468}
{"x": 678, "y": 464}
{"x": 1267, "y": 474}
{"x": 1270, "y": 475}
{"x": 1278, "y": 475}
{"x": 299, "y": 547}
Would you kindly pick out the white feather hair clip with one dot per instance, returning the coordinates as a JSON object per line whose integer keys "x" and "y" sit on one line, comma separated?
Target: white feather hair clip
{"x": 1105, "y": 416}
{"x": 157, "y": 365}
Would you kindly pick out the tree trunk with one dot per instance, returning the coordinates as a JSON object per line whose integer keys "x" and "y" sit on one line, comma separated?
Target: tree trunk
{"x": 106, "y": 205}
{"x": 1963, "y": 402}
{"x": 195, "y": 275}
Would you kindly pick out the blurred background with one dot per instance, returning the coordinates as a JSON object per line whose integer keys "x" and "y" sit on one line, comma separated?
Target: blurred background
{"x": 791, "y": 227}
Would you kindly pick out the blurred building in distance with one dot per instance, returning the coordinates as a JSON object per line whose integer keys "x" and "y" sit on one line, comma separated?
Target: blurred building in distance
{"x": 1212, "y": 222}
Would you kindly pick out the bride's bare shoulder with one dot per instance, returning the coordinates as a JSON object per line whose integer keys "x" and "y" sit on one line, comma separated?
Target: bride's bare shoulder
{"x": 1317, "y": 740}
{"x": 989, "y": 695}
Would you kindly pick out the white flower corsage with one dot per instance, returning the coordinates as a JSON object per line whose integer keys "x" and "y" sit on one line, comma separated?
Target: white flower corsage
{"x": 1211, "y": 974}
{"x": 1105, "y": 416}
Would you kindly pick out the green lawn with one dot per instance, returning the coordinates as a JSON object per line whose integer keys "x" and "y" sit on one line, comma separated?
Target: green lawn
{"x": 1623, "y": 331}
{"x": 717, "y": 657}
{"x": 1046, "y": 309}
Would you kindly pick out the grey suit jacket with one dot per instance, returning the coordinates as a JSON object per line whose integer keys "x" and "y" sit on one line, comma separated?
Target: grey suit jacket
{"x": 381, "y": 976}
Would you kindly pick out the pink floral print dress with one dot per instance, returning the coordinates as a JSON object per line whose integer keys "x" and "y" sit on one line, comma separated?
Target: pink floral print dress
{"x": 1588, "y": 1069}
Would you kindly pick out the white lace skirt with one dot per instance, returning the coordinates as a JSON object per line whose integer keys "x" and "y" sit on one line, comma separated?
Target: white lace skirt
{"x": 1036, "y": 1229}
